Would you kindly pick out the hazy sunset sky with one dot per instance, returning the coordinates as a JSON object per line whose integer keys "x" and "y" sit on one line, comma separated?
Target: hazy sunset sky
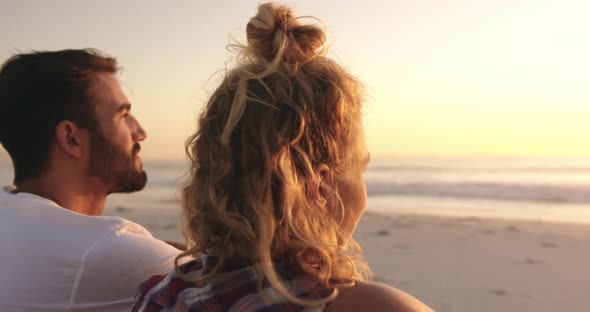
{"x": 444, "y": 77}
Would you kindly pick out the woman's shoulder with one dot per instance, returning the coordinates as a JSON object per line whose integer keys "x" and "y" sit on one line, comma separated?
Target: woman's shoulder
{"x": 160, "y": 291}
{"x": 375, "y": 297}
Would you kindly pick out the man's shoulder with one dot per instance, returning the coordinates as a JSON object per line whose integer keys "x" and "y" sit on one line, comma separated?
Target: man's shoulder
{"x": 25, "y": 218}
{"x": 39, "y": 212}
{"x": 128, "y": 238}
{"x": 122, "y": 259}
{"x": 123, "y": 226}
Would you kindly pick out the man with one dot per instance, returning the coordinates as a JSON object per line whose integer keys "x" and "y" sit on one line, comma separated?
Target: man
{"x": 68, "y": 128}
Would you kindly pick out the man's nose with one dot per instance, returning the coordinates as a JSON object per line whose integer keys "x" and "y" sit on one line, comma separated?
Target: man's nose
{"x": 139, "y": 134}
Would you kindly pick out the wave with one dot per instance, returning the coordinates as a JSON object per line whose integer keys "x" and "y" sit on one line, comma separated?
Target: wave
{"x": 484, "y": 190}
{"x": 498, "y": 170}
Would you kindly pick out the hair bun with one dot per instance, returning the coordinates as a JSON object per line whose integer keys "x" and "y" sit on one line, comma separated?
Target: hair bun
{"x": 275, "y": 32}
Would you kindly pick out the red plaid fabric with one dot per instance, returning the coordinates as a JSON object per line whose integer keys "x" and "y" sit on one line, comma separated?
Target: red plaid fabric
{"x": 231, "y": 291}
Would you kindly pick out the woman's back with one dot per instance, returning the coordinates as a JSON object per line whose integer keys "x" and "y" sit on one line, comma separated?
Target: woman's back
{"x": 237, "y": 290}
{"x": 193, "y": 288}
{"x": 374, "y": 297}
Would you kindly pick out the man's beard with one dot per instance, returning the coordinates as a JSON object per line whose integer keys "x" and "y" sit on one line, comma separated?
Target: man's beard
{"x": 115, "y": 167}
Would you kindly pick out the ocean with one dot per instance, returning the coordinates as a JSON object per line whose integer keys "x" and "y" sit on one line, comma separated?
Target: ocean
{"x": 528, "y": 189}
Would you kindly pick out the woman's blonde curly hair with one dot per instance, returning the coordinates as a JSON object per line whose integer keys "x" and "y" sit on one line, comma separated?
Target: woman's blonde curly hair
{"x": 252, "y": 196}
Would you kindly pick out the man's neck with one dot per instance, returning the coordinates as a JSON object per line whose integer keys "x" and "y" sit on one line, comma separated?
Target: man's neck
{"x": 72, "y": 196}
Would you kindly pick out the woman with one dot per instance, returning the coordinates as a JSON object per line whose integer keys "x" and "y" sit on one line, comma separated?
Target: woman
{"x": 276, "y": 187}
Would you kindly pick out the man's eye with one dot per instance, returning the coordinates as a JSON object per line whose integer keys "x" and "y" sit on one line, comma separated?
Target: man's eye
{"x": 125, "y": 115}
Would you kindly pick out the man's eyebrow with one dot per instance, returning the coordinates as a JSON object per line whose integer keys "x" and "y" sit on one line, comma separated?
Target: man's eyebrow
{"x": 124, "y": 107}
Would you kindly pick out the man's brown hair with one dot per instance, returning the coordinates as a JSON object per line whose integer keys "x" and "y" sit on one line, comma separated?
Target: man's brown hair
{"x": 37, "y": 91}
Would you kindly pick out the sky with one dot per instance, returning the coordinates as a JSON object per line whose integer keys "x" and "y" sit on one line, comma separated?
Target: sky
{"x": 452, "y": 78}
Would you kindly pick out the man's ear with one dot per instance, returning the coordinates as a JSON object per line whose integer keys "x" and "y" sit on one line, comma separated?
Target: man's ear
{"x": 70, "y": 138}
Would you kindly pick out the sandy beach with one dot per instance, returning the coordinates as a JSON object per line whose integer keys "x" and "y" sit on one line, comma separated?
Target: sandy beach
{"x": 462, "y": 264}
{"x": 468, "y": 264}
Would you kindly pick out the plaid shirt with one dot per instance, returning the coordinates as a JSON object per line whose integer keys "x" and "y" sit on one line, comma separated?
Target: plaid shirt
{"x": 231, "y": 291}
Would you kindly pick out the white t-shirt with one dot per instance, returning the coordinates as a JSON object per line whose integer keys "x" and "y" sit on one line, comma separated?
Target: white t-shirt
{"x": 53, "y": 259}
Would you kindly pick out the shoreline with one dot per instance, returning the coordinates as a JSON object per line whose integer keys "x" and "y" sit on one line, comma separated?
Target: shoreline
{"x": 506, "y": 210}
